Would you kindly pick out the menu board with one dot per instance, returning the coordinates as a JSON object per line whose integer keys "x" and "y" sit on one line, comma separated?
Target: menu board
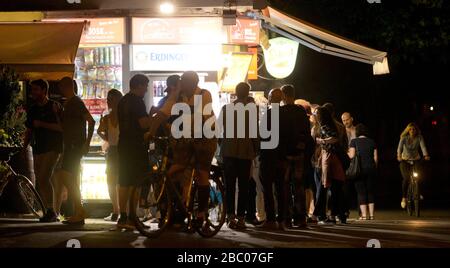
{"x": 245, "y": 32}
{"x": 100, "y": 31}
{"x": 178, "y": 31}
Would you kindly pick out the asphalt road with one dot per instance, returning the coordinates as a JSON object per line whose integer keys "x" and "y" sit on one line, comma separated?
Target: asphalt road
{"x": 393, "y": 229}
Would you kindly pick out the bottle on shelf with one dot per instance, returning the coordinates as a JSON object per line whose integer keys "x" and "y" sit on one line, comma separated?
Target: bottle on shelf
{"x": 111, "y": 56}
{"x": 106, "y": 55}
{"x": 101, "y": 58}
{"x": 119, "y": 55}
{"x": 95, "y": 56}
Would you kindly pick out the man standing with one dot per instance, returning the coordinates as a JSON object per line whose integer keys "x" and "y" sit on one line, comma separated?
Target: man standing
{"x": 44, "y": 131}
{"x": 76, "y": 144}
{"x": 270, "y": 168}
{"x": 295, "y": 150}
{"x": 133, "y": 123}
{"x": 347, "y": 120}
{"x": 238, "y": 153}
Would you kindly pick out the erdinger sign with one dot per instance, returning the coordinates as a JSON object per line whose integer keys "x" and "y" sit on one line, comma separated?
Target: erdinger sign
{"x": 280, "y": 57}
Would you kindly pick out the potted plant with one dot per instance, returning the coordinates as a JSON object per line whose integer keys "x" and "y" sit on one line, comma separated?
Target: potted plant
{"x": 12, "y": 113}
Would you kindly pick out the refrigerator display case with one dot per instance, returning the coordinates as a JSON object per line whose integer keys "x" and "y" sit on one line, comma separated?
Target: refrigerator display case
{"x": 98, "y": 69}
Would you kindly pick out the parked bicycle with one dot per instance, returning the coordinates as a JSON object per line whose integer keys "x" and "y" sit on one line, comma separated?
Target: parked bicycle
{"x": 163, "y": 197}
{"x": 25, "y": 188}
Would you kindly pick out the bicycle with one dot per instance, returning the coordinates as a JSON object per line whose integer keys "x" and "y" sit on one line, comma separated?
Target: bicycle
{"x": 413, "y": 194}
{"x": 163, "y": 197}
{"x": 26, "y": 189}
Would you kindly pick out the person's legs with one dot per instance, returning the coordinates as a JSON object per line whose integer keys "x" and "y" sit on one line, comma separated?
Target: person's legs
{"x": 405, "y": 170}
{"x": 113, "y": 189}
{"x": 243, "y": 169}
{"x": 229, "y": 170}
{"x": 112, "y": 177}
{"x": 371, "y": 193}
{"x": 299, "y": 192}
{"x": 267, "y": 176}
{"x": 58, "y": 187}
{"x": 44, "y": 165}
{"x": 251, "y": 204}
{"x": 283, "y": 192}
{"x": 338, "y": 201}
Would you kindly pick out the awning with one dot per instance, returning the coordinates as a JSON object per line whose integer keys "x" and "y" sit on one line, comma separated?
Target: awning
{"x": 40, "y": 50}
{"x": 321, "y": 40}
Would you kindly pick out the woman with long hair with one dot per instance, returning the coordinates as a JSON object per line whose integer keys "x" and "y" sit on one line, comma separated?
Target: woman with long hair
{"x": 109, "y": 132}
{"x": 411, "y": 141}
{"x": 333, "y": 173}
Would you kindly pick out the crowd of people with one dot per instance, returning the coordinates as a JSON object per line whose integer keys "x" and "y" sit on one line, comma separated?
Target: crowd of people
{"x": 303, "y": 178}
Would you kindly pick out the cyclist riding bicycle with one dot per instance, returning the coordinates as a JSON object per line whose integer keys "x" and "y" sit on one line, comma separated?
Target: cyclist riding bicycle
{"x": 196, "y": 149}
{"x": 411, "y": 141}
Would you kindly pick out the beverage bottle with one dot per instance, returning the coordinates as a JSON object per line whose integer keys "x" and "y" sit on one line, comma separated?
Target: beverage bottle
{"x": 95, "y": 57}
{"x": 111, "y": 56}
{"x": 101, "y": 59}
{"x": 119, "y": 55}
{"x": 106, "y": 55}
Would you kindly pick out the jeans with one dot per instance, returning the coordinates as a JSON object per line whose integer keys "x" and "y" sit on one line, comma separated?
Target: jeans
{"x": 236, "y": 169}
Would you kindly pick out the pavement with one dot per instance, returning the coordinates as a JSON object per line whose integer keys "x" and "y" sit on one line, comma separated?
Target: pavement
{"x": 390, "y": 229}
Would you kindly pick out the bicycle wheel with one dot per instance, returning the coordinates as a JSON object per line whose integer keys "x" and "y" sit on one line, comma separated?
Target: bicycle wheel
{"x": 410, "y": 199}
{"x": 216, "y": 208}
{"x": 158, "y": 208}
{"x": 416, "y": 199}
{"x": 30, "y": 196}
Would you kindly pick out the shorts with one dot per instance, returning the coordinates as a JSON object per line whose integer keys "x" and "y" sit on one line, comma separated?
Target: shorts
{"x": 133, "y": 165}
{"x": 70, "y": 160}
{"x": 112, "y": 160}
{"x": 199, "y": 151}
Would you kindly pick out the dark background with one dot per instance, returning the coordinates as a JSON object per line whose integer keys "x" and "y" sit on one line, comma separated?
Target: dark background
{"x": 415, "y": 34}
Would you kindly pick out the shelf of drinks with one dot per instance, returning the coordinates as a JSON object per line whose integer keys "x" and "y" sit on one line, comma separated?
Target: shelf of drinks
{"x": 88, "y": 66}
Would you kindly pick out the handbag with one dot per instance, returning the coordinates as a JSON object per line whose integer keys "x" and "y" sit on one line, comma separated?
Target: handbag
{"x": 354, "y": 169}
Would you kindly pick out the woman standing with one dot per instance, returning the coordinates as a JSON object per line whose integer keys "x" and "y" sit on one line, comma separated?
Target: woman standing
{"x": 368, "y": 157}
{"x": 109, "y": 132}
{"x": 333, "y": 174}
{"x": 411, "y": 140}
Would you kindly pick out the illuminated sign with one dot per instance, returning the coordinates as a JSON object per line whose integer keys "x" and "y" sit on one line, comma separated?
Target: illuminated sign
{"x": 101, "y": 31}
{"x": 245, "y": 32}
{"x": 176, "y": 57}
{"x": 253, "y": 70}
{"x": 178, "y": 31}
{"x": 237, "y": 71}
{"x": 281, "y": 57}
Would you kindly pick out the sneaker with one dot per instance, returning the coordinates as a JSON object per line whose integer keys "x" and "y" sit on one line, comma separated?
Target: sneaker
{"x": 50, "y": 216}
{"x": 240, "y": 225}
{"x": 122, "y": 222}
{"x": 232, "y": 224}
{"x": 300, "y": 223}
{"x": 330, "y": 221}
{"x": 403, "y": 203}
{"x": 77, "y": 219}
{"x": 311, "y": 220}
{"x": 254, "y": 222}
{"x": 269, "y": 225}
{"x": 112, "y": 217}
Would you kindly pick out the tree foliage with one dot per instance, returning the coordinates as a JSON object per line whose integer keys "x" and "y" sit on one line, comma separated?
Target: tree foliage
{"x": 12, "y": 114}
